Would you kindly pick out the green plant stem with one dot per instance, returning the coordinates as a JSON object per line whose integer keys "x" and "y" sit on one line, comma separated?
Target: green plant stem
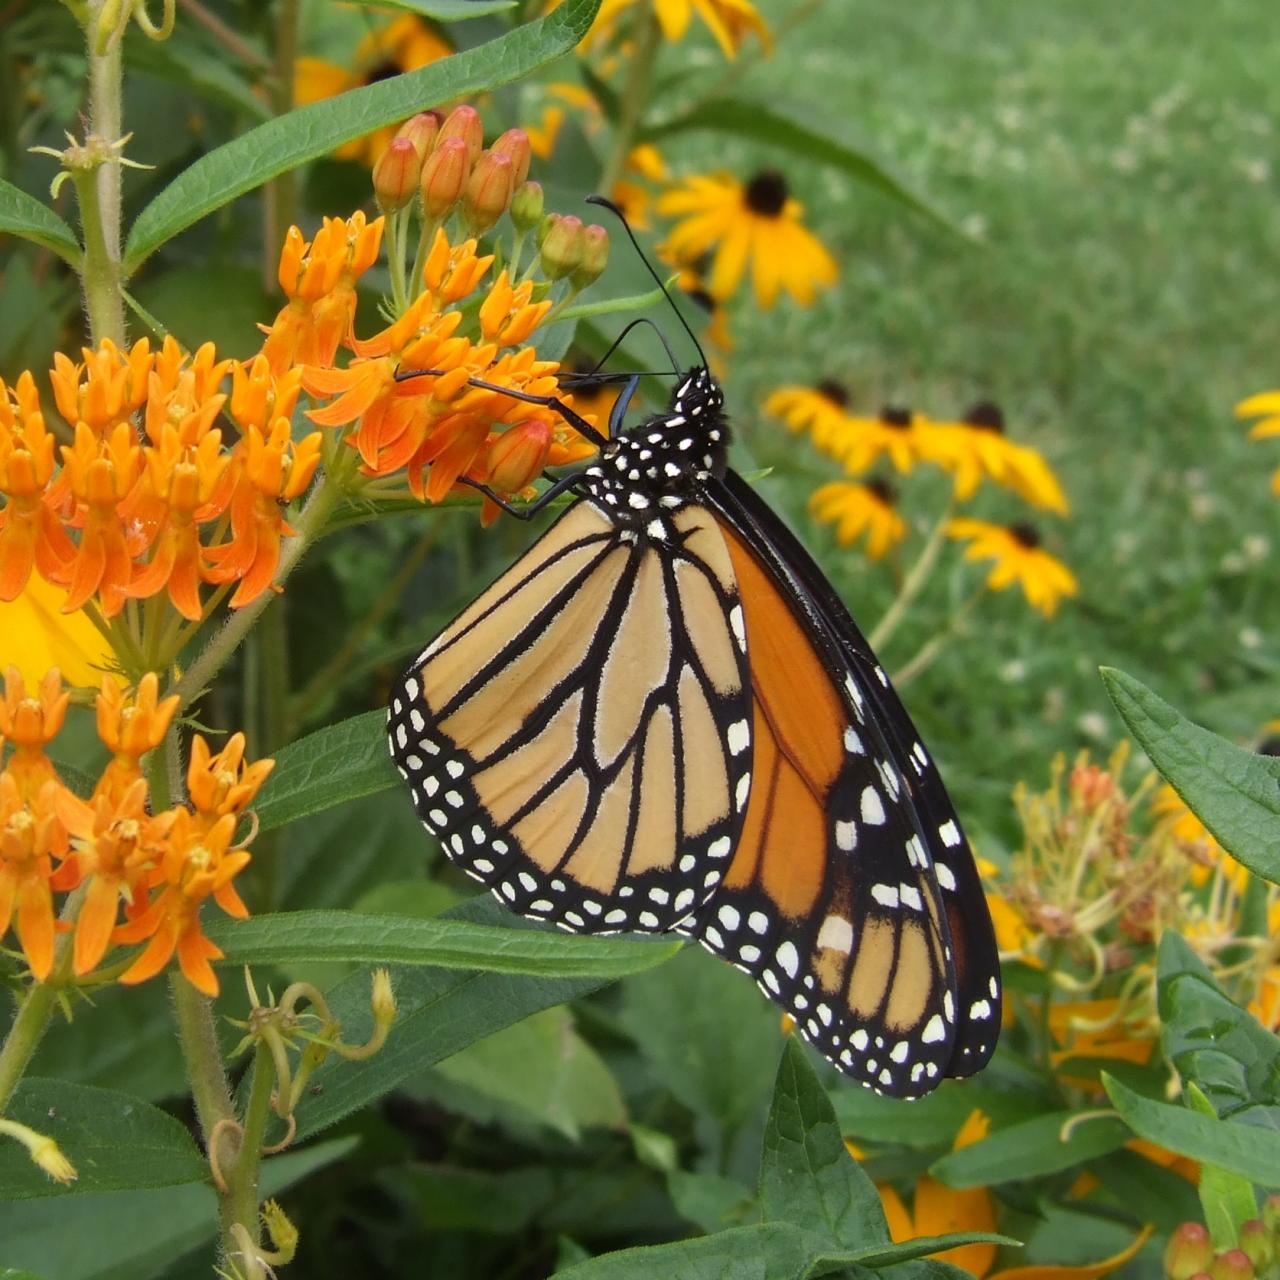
{"x": 635, "y": 98}
{"x": 240, "y": 1205}
{"x": 280, "y": 207}
{"x": 936, "y": 643}
{"x": 912, "y": 584}
{"x": 36, "y": 1007}
{"x": 198, "y": 1037}
{"x": 397, "y": 247}
{"x": 307, "y": 528}
{"x": 98, "y": 191}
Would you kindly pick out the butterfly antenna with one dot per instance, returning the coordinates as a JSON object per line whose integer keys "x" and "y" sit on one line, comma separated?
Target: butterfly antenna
{"x": 648, "y": 266}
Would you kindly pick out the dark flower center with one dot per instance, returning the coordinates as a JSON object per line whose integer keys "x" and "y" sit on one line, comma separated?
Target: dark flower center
{"x": 385, "y": 71}
{"x": 701, "y": 299}
{"x": 1024, "y": 535}
{"x": 1270, "y": 746}
{"x": 767, "y": 193}
{"x": 834, "y": 391}
{"x": 986, "y": 416}
{"x": 883, "y": 490}
{"x": 895, "y": 416}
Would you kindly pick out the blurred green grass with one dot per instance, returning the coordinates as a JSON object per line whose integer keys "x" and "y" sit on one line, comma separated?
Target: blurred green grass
{"x": 1115, "y": 166}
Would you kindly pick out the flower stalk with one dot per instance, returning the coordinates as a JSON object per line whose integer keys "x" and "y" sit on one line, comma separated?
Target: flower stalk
{"x": 635, "y": 98}
{"x": 912, "y": 584}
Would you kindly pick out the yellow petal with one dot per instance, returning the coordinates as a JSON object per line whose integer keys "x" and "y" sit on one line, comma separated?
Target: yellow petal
{"x": 895, "y": 1213}
{"x": 1091, "y": 1271}
{"x": 940, "y": 1210}
{"x": 38, "y": 635}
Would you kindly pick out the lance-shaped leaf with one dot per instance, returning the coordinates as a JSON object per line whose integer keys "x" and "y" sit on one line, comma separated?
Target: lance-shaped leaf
{"x": 23, "y": 215}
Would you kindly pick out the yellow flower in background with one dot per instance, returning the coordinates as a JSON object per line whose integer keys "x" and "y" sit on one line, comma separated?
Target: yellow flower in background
{"x": 37, "y": 635}
{"x": 756, "y": 224}
{"x": 856, "y": 509}
{"x": 819, "y": 409}
{"x": 644, "y": 163}
{"x": 730, "y": 21}
{"x": 405, "y": 44}
{"x": 897, "y": 434}
{"x": 1019, "y": 559}
{"x": 976, "y": 447}
{"x": 1265, "y": 406}
{"x": 561, "y": 94}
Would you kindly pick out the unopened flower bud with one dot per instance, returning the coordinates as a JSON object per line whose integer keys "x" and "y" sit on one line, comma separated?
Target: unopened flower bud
{"x": 382, "y": 999}
{"x": 464, "y": 122}
{"x": 1256, "y": 1243}
{"x": 526, "y": 206}
{"x": 421, "y": 130}
{"x": 444, "y": 177}
{"x": 515, "y": 143}
{"x": 488, "y": 191}
{"x": 561, "y": 246}
{"x": 284, "y": 1235}
{"x": 595, "y": 256}
{"x": 1271, "y": 1212}
{"x": 1189, "y": 1251}
{"x": 1231, "y": 1264}
{"x": 516, "y": 458}
{"x": 48, "y": 1156}
{"x": 396, "y": 175}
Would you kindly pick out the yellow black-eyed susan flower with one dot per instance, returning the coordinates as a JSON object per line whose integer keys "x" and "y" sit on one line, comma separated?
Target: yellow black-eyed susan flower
{"x": 404, "y": 44}
{"x": 730, "y": 21}
{"x": 1019, "y": 559}
{"x": 856, "y": 509}
{"x": 820, "y": 409}
{"x": 756, "y": 224}
{"x": 895, "y": 433}
{"x": 1265, "y": 406}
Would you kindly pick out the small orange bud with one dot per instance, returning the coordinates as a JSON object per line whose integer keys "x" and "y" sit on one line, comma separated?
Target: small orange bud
{"x": 421, "y": 130}
{"x": 1188, "y": 1252}
{"x": 444, "y": 177}
{"x": 526, "y": 206}
{"x": 515, "y": 143}
{"x": 488, "y": 191}
{"x": 1231, "y": 1264}
{"x": 396, "y": 175}
{"x": 595, "y": 256}
{"x": 561, "y": 247}
{"x": 518, "y": 455}
{"x": 464, "y": 122}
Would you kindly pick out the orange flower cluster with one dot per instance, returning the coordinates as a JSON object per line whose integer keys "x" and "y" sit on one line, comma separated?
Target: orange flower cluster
{"x": 158, "y": 867}
{"x": 144, "y": 495}
{"x": 402, "y": 419}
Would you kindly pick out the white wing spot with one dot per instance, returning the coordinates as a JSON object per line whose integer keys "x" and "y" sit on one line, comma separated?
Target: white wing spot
{"x": 872, "y": 807}
{"x": 950, "y": 834}
{"x": 789, "y": 958}
{"x": 933, "y": 1031}
{"x": 885, "y": 894}
{"x": 846, "y": 836}
{"x": 738, "y": 737}
{"x": 945, "y": 877}
{"x": 836, "y": 934}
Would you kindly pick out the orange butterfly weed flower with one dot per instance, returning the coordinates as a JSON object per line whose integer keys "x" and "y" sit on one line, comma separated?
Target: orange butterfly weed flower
{"x": 117, "y": 844}
{"x": 272, "y": 468}
{"x": 198, "y": 862}
{"x": 31, "y": 536}
{"x": 507, "y": 316}
{"x": 28, "y": 723}
{"x": 319, "y": 279}
{"x": 31, "y": 835}
{"x": 130, "y": 723}
{"x": 224, "y": 783}
{"x": 106, "y": 389}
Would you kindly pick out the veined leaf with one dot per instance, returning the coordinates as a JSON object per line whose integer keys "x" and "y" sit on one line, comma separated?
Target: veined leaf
{"x": 314, "y": 130}
{"x": 444, "y": 10}
{"x": 1233, "y": 791}
{"x": 23, "y": 215}
{"x": 765, "y": 1251}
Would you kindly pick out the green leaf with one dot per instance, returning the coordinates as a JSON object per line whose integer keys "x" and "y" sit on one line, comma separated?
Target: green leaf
{"x": 749, "y": 119}
{"x": 1233, "y": 791}
{"x": 1032, "y": 1149}
{"x": 1211, "y": 1041}
{"x": 314, "y": 130}
{"x": 327, "y": 768}
{"x": 452, "y": 1199}
{"x": 23, "y": 215}
{"x": 765, "y": 1251}
{"x": 444, "y": 10}
{"x": 115, "y": 1141}
{"x": 134, "y": 1235}
{"x": 807, "y": 1177}
{"x": 439, "y": 1012}
{"x": 288, "y": 937}
{"x": 708, "y": 1200}
{"x": 1241, "y": 1148}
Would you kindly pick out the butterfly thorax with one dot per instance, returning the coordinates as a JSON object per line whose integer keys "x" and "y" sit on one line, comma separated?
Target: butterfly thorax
{"x": 663, "y": 461}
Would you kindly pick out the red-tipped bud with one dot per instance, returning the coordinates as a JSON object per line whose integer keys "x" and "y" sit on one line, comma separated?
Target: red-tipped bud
{"x": 595, "y": 256}
{"x": 526, "y": 206}
{"x": 464, "y": 122}
{"x": 1188, "y": 1252}
{"x": 421, "y": 130}
{"x": 488, "y": 191}
{"x": 1231, "y": 1264}
{"x": 515, "y": 143}
{"x": 444, "y": 177}
{"x": 396, "y": 175}
{"x": 1271, "y": 1212}
{"x": 516, "y": 458}
{"x": 1256, "y": 1243}
{"x": 561, "y": 245}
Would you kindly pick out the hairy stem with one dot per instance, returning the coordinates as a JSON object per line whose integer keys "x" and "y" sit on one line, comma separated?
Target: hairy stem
{"x": 241, "y": 1202}
{"x": 98, "y": 191}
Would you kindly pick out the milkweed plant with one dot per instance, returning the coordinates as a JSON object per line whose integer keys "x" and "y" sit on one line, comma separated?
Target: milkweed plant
{"x": 256, "y": 260}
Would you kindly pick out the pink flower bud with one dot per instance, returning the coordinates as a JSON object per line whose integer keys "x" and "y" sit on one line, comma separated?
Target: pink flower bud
{"x": 561, "y": 246}
{"x": 444, "y": 177}
{"x": 515, "y": 143}
{"x": 421, "y": 130}
{"x": 1188, "y": 1252}
{"x": 488, "y": 191}
{"x": 516, "y": 458}
{"x": 396, "y": 175}
{"x": 464, "y": 122}
{"x": 595, "y": 256}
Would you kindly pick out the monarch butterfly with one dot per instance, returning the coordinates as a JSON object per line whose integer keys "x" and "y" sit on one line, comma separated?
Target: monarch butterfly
{"x": 662, "y": 718}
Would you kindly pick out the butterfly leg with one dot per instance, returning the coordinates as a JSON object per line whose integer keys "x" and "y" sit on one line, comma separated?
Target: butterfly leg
{"x": 531, "y": 509}
{"x": 575, "y": 420}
